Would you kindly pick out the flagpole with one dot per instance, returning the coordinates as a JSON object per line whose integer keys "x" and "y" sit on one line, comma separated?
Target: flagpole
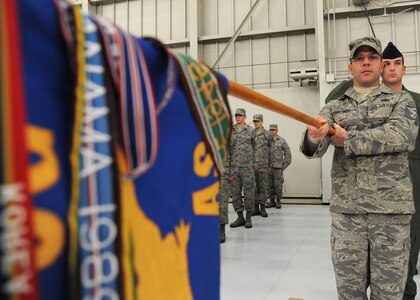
{"x": 256, "y": 98}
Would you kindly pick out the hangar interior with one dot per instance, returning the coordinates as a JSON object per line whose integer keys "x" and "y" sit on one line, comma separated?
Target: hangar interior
{"x": 294, "y": 51}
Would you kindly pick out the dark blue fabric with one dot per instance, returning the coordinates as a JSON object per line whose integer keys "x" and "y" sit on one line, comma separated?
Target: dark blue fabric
{"x": 49, "y": 99}
{"x": 165, "y": 192}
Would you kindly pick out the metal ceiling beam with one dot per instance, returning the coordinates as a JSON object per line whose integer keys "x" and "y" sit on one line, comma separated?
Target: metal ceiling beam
{"x": 373, "y": 9}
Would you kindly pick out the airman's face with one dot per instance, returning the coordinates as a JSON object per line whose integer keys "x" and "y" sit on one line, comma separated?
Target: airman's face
{"x": 366, "y": 67}
{"x": 257, "y": 124}
{"x": 393, "y": 71}
{"x": 240, "y": 119}
{"x": 274, "y": 132}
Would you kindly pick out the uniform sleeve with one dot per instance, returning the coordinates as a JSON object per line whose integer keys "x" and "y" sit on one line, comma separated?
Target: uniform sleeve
{"x": 323, "y": 145}
{"x": 287, "y": 155}
{"x": 397, "y": 134}
{"x": 252, "y": 143}
{"x": 270, "y": 147}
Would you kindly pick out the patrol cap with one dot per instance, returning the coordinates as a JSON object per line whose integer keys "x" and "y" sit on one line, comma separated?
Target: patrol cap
{"x": 391, "y": 52}
{"x": 240, "y": 111}
{"x": 258, "y": 117}
{"x": 273, "y": 126}
{"x": 368, "y": 41}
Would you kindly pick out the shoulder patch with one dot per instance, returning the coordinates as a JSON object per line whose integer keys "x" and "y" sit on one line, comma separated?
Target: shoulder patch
{"x": 411, "y": 113}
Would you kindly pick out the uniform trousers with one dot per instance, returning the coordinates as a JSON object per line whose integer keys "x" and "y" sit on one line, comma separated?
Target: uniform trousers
{"x": 411, "y": 287}
{"x": 275, "y": 184}
{"x": 243, "y": 179}
{"x": 261, "y": 186}
{"x": 370, "y": 250}
{"x": 224, "y": 195}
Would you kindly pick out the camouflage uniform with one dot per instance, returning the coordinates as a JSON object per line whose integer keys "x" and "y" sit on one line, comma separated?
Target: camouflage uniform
{"x": 242, "y": 160}
{"x": 263, "y": 142}
{"x": 280, "y": 159}
{"x": 224, "y": 195}
{"x": 414, "y": 163}
{"x": 371, "y": 201}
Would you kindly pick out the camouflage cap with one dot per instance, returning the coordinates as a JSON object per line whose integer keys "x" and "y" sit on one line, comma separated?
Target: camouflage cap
{"x": 273, "y": 126}
{"x": 258, "y": 117}
{"x": 240, "y": 111}
{"x": 371, "y": 42}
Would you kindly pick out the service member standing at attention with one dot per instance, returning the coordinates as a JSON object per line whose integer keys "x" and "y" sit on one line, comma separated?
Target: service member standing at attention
{"x": 371, "y": 203}
{"x": 392, "y": 74}
{"x": 241, "y": 151}
{"x": 280, "y": 159}
{"x": 223, "y": 198}
{"x": 263, "y": 142}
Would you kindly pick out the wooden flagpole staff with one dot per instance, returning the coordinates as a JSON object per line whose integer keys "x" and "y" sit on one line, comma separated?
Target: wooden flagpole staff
{"x": 254, "y": 97}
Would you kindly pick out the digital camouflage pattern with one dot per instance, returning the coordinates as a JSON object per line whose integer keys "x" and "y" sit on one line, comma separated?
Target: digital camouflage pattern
{"x": 263, "y": 142}
{"x": 224, "y": 198}
{"x": 280, "y": 155}
{"x": 414, "y": 164}
{"x": 280, "y": 159}
{"x": 370, "y": 174}
{"x": 241, "y": 146}
{"x": 351, "y": 237}
{"x": 242, "y": 159}
{"x": 224, "y": 194}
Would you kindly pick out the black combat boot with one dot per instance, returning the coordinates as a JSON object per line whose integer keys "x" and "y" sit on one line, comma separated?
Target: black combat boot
{"x": 278, "y": 203}
{"x": 263, "y": 212}
{"x": 248, "y": 221}
{"x": 256, "y": 210}
{"x": 222, "y": 233}
{"x": 270, "y": 204}
{"x": 240, "y": 221}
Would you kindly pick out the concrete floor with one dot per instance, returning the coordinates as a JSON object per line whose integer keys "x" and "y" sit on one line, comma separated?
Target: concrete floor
{"x": 285, "y": 256}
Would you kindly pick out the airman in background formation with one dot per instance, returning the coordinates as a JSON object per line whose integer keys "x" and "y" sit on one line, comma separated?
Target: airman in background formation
{"x": 263, "y": 142}
{"x": 241, "y": 151}
{"x": 280, "y": 159}
{"x": 372, "y": 202}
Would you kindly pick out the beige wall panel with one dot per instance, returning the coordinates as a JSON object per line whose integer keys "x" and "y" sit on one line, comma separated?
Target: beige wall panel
{"x": 225, "y": 14}
{"x": 210, "y": 53}
{"x": 121, "y": 15}
{"x": 311, "y": 51}
{"x": 228, "y": 59}
{"x": 178, "y": 25}
{"x": 296, "y": 48}
{"x": 295, "y": 12}
{"x": 278, "y": 50}
{"x": 405, "y": 35}
{"x": 148, "y": 16}
{"x": 277, "y": 14}
{"x": 279, "y": 75}
{"x": 107, "y": 11}
{"x": 260, "y": 77}
{"x": 242, "y": 53}
{"x": 163, "y": 31}
{"x": 336, "y": 3}
{"x": 259, "y": 18}
{"x": 310, "y": 12}
{"x": 260, "y": 53}
{"x": 243, "y": 75}
{"x": 135, "y": 17}
{"x": 209, "y": 17}
{"x": 242, "y": 7}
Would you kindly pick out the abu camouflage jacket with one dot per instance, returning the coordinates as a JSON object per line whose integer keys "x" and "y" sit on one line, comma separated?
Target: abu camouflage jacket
{"x": 370, "y": 174}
